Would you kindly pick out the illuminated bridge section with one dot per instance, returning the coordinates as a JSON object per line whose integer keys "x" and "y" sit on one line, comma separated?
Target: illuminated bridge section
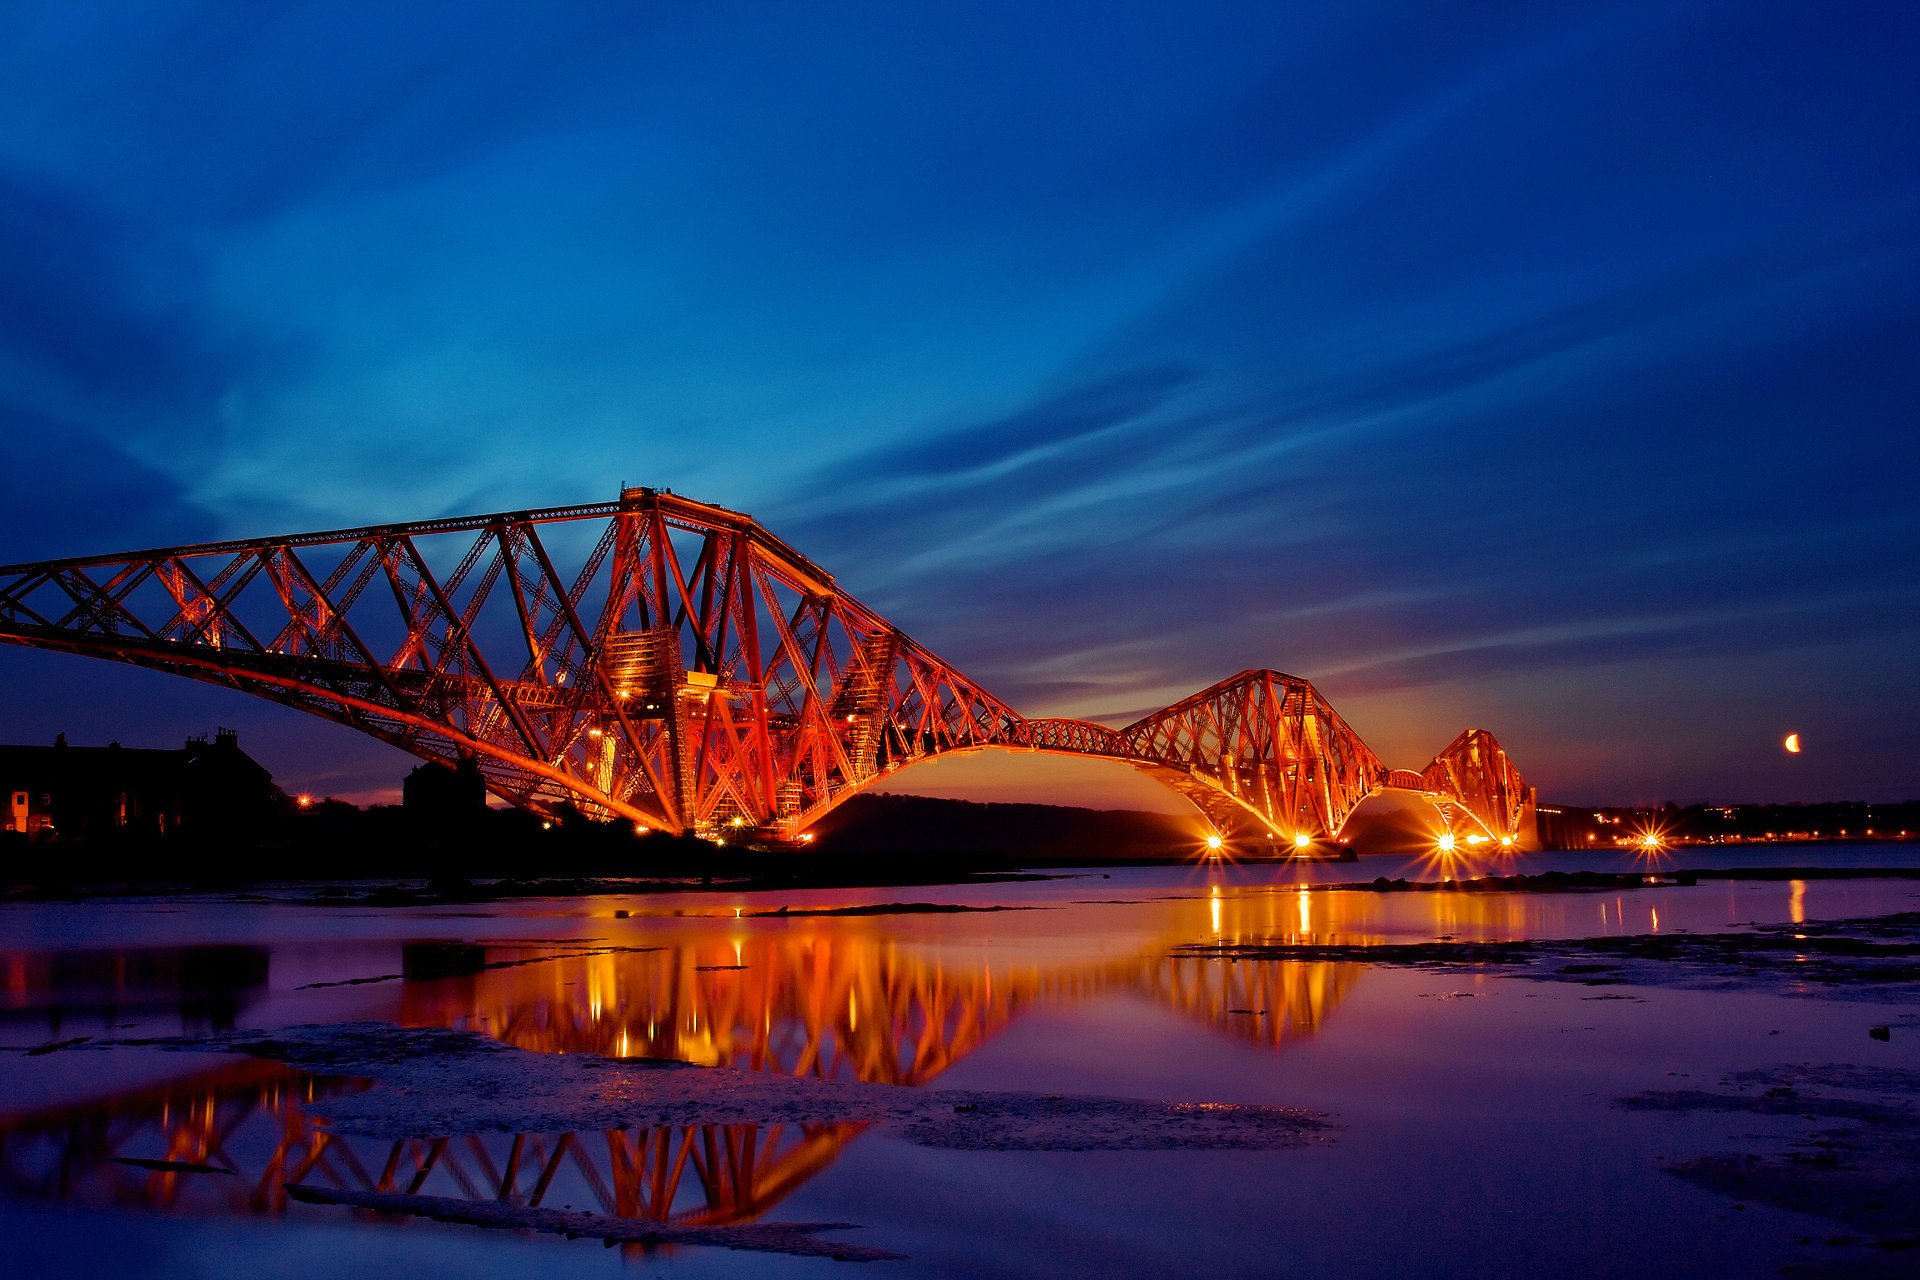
{"x": 685, "y": 670}
{"x": 1266, "y": 750}
{"x": 673, "y": 664}
{"x": 1476, "y": 770}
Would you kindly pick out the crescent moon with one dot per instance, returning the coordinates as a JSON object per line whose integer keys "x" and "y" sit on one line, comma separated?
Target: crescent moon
{"x": 1793, "y": 744}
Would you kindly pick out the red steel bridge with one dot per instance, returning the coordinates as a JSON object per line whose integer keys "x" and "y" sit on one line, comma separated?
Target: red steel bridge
{"x": 673, "y": 663}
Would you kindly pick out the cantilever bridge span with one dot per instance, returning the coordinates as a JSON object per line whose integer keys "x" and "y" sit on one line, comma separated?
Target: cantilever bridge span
{"x": 673, "y": 663}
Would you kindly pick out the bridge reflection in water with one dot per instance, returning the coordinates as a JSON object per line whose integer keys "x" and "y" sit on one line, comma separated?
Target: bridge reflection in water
{"x": 844, "y": 1001}
{"x": 230, "y": 1141}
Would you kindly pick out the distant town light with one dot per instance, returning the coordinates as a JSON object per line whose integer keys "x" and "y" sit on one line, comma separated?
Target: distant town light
{"x": 304, "y": 800}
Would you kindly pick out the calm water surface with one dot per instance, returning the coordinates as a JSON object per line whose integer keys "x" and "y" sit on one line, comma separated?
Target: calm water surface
{"x": 1478, "y": 1135}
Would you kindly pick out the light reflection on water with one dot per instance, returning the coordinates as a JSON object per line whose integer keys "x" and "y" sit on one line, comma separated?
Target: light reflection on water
{"x": 848, "y": 1004}
{"x": 829, "y": 999}
{"x": 894, "y": 999}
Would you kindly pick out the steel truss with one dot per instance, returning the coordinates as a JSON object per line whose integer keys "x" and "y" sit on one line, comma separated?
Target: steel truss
{"x": 667, "y": 662}
{"x": 1476, "y": 771}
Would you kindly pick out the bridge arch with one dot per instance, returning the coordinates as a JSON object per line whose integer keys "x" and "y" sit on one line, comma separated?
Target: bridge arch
{"x": 1217, "y": 812}
{"x": 1408, "y": 820}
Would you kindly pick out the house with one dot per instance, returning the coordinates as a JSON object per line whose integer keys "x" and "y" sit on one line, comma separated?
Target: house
{"x": 69, "y": 792}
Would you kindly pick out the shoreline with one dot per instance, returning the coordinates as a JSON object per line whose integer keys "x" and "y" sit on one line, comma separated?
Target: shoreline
{"x": 404, "y": 891}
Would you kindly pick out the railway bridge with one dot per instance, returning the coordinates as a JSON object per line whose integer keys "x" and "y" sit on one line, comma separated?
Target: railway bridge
{"x": 675, "y": 664}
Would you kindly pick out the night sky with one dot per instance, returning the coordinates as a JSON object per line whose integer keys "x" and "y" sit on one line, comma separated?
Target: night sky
{"x": 1550, "y": 368}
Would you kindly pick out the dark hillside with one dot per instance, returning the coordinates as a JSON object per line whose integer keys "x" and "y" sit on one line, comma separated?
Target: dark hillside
{"x": 870, "y": 824}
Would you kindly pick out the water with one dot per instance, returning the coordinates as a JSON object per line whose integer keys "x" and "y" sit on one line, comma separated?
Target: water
{"x": 1478, "y": 1135}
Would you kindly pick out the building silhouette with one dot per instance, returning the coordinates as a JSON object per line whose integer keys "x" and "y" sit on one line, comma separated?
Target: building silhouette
{"x": 204, "y": 788}
{"x": 440, "y": 796}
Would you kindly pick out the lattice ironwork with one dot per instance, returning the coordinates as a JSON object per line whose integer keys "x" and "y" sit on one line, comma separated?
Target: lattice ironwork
{"x": 1265, "y": 744}
{"x": 691, "y": 672}
{"x": 1077, "y": 737}
{"x": 1476, "y": 771}
{"x": 668, "y": 662}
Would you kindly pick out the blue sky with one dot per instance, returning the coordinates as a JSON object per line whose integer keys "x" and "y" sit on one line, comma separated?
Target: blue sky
{"x": 1547, "y": 368}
